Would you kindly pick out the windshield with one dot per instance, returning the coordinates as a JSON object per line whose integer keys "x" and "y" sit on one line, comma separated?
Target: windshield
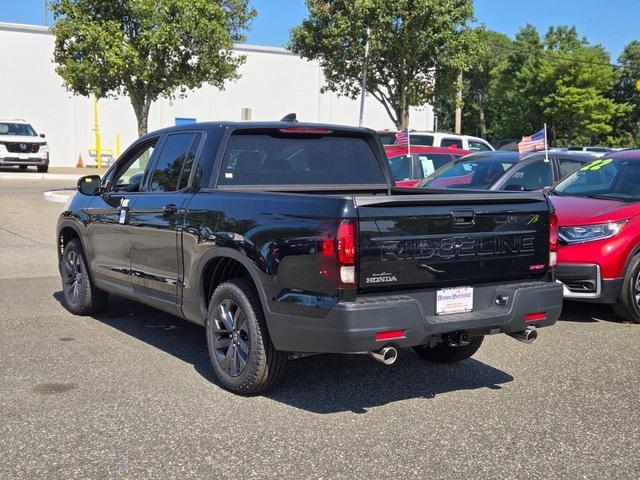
{"x": 469, "y": 173}
{"x": 614, "y": 178}
{"x": 22, "y": 129}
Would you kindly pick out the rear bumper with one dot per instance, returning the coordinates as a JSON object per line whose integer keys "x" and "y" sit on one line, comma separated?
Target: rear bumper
{"x": 584, "y": 282}
{"x": 351, "y": 326}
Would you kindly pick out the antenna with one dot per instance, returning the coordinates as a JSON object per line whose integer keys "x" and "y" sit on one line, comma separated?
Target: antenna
{"x": 291, "y": 117}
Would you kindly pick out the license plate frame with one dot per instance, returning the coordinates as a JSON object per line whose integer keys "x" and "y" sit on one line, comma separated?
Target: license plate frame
{"x": 454, "y": 300}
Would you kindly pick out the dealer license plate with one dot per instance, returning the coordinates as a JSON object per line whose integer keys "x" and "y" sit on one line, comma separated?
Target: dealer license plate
{"x": 454, "y": 300}
{"x": 23, "y": 156}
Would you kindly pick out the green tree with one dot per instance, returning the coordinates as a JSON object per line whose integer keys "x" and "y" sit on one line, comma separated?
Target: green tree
{"x": 627, "y": 90}
{"x": 147, "y": 48}
{"x": 577, "y": 79}
{"x": 481, "y": 97}
{"x": 409, "y": 40}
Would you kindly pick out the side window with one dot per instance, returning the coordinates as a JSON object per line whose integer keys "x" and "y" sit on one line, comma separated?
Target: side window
{"x": 424, "y": 140}
{"x": 188, "y": 163}
{"x": 448, "y": 142}
{"x": 401, "y": 167}
{"x": 534, "y": 176}
{"x": 477, "y": 146}
{"x": 129, "y": 177}
{"x": 568, "y": 166}
{"x": 172, "y": 158}
{"x": 430, "y": 162}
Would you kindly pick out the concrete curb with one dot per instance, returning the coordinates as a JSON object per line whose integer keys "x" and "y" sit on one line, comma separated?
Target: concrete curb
{"x": 38, "y": 176}
{"x": 60, "y": 196}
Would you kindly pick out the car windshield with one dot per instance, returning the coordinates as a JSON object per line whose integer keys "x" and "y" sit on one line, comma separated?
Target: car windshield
{"x": 22, "y": 129}
{"x": 609, "y": 178}
{"x": 469, "y": 173}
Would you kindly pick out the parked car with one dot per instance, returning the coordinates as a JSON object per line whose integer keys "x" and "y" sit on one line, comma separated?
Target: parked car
{"x": 408, "y": 170}
{"x": 288, "y": 237}
{"x": 598, "y": 210}
{"x": 598, "y": 150}
{"x": 504, "y": 170}
{"x": 21, "y": 146}
{"x": 439, "y": 139}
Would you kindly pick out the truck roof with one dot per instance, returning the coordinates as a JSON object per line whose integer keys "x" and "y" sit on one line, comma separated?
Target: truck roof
{"x": 214, "y": 125}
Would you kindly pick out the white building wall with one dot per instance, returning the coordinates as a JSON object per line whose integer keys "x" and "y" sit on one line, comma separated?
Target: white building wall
{"x": 273, "y": 82}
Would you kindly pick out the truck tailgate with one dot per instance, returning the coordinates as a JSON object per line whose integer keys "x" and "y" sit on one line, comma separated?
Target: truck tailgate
{"x": 446, "y": 239}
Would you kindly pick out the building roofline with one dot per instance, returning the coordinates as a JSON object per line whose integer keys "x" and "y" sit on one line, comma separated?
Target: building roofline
{"x": 41, "y": 29}
{"x": 22, "y": 27}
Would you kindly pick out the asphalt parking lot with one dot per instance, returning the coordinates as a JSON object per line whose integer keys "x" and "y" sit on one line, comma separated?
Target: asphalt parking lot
{"x": 130, "y": 394}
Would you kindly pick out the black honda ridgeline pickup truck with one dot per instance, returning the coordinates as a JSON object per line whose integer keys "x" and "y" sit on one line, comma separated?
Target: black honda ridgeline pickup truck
{"x": 285, "y": 239}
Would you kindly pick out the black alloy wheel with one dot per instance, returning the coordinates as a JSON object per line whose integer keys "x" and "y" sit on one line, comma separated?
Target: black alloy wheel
{"x": 231, "y": 338}
{"x": 81, "y": 296}
{"x": 240, "y": 348}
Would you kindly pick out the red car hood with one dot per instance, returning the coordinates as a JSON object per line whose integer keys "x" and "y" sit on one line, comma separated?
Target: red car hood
{"x": 573, "y": 211}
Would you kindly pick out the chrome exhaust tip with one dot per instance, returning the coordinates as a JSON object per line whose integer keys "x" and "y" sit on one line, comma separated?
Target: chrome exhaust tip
{"x": 386, "y": 355}
{"x": 528, "y": 335}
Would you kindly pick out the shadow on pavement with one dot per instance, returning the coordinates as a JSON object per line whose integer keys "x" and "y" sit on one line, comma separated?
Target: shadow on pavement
{"x": 587, "y": 312}
{"x": 319, "y": 384}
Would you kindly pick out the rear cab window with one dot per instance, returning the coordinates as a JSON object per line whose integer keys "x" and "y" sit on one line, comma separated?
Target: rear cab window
{"x": 282, "y": 158}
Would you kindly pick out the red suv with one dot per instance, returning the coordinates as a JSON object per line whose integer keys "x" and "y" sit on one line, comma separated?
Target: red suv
{"x": 408, "y": 171}
{"x": 598, "y": 209}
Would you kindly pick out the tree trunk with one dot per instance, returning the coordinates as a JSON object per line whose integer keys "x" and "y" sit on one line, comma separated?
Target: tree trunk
{"x": 403, "y": 112}
{"x": 458, "y": 128}
{"x": 569, "y": 136}
{"x": 141, "y": 105}
{"x": 481, "y": 119}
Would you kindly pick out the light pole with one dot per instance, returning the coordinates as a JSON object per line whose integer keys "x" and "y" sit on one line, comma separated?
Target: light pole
{"x": 363, "y": 86}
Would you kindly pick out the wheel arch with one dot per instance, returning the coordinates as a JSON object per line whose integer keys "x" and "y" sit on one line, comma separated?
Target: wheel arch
{"x": 635, "y": 251}
{"x": 223, "y": 264}
{"x": 67, "y": 231}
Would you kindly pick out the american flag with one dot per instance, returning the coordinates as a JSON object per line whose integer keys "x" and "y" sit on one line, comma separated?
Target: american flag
{"x": 402, "y": 138}
{"x": 532, "y": 143}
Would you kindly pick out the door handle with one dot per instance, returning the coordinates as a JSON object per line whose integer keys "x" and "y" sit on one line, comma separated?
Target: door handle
{"x": 169, "y": 209}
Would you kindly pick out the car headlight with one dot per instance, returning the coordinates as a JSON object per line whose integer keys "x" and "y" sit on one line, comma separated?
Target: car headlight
{"x": 589, "y": 233}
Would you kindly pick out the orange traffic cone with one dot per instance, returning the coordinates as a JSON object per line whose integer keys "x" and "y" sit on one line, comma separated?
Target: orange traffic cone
{"x": 80, "y": 164}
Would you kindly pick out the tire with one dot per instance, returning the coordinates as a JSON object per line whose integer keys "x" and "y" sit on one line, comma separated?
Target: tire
{"x": 444, "y": 353}
{"x": 240, "y": 349}
{"x": 43, "y": 168}
{"x": 628, "y": 305}
{"x": 22, "y": 167}
{"x": 80, "y": 295}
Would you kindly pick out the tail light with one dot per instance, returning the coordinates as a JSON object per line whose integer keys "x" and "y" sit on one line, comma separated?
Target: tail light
{"x": 338, "y": 253}
{"x": 553, "y": 239}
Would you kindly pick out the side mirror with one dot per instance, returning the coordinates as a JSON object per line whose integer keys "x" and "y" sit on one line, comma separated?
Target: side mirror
{"x": 89, "y": 185}
{"x": 42, "y": 135}
{"x": 515, "y": 188}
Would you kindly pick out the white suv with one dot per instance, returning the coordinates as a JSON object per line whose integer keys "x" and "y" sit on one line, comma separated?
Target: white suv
{"x": 21, "y": 146}
{"x": 439, "y": 139}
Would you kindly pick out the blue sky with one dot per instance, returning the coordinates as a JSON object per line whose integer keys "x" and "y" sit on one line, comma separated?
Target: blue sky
{"x": 612, "y": 23}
